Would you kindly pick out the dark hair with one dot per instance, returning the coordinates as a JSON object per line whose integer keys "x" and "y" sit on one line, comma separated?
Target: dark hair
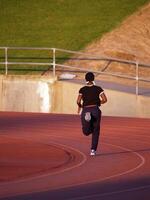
{"x": 89, "y": 76}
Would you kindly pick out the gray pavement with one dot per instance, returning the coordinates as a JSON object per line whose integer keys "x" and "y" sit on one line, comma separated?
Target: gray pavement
{"x": 116, "y": 86}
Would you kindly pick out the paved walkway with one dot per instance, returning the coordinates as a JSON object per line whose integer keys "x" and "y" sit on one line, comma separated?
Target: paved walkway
{"x": 45, "y": 156}
{"x": 117, "y": 86}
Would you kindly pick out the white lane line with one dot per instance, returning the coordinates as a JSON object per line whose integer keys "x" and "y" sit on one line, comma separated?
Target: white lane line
{"x": 64, "y": 147}
{"x": 109, "y": 177}
{"x": 142, "y": 162}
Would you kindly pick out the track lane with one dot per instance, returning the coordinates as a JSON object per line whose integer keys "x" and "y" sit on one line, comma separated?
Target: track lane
{"x": 118, "y": 153}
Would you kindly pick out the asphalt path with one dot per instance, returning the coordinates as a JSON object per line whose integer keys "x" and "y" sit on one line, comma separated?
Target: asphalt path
{"x": 117, "y": 86}
{"x": 46, "y": 156}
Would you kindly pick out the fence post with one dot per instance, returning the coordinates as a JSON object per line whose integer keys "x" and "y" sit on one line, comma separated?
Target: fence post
{"x": 137, "y": 78}
{"x": 54, "y": 62}
{"x": 6, "y": 60}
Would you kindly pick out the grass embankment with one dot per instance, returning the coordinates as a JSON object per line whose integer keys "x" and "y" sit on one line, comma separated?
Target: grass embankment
{"x": 67, "y": 24}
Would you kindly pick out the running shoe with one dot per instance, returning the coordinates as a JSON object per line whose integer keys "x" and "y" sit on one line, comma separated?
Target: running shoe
{"x": 93, "y": 152}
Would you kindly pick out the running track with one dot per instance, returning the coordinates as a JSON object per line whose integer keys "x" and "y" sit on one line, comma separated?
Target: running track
{"x": 46, "y": 157}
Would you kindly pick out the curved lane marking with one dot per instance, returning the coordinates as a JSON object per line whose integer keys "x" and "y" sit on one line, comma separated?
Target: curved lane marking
{"x": 64, "y": 147}
{"x": 102, "y": 179}
{"x": 142, "y": 162}
{"x": 142, "y": 159}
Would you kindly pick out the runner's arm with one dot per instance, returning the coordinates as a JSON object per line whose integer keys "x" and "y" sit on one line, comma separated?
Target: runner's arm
{"x": 103, "y": 98}
{"x": 79, "y": 100}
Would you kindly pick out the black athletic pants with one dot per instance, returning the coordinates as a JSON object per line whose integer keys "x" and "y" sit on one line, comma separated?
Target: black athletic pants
{"x": 93, "y": 126}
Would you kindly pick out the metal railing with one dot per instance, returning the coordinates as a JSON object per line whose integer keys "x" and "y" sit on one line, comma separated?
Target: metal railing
{"x": 54, "y": 65}
{"x": 7, "y": 63}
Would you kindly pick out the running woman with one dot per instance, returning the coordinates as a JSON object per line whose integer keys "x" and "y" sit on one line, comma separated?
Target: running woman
{"x": 89, "y": 100}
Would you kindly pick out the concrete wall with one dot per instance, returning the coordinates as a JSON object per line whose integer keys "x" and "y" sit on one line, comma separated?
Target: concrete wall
{"x": 119, "y": 103}
{"x": 26, "y": 93}
{"x": 46, "y": 94}
{"x": 124, "y": 104}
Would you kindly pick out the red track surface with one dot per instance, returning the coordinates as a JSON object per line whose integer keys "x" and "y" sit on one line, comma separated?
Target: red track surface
{"x": 45, "y": 156}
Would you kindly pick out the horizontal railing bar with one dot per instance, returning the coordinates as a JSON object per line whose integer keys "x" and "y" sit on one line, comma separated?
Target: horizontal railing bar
{"x": 104, "y": 58}
{"x": 38, "y": 58}
{"x": 27, "y": 48}
{"x": 79, "y": 53}
{"x": 25, "y": 58}
{"x": 77, "y": 68}
{"x": 144, "y": 79}
{"x": 25, "y": 63}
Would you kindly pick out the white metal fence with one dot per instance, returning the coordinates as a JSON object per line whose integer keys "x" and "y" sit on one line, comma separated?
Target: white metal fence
{"x": 5, "y": 61}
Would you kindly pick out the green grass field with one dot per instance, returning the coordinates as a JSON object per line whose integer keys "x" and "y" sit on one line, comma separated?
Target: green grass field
{"x": 66, "y": 24}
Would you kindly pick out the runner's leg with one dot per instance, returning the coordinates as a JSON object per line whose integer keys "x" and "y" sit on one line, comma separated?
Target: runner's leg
{"x": 96, "y": 114}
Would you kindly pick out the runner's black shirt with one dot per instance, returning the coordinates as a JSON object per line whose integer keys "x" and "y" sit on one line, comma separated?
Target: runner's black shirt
{"x": 90, "y": 95}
